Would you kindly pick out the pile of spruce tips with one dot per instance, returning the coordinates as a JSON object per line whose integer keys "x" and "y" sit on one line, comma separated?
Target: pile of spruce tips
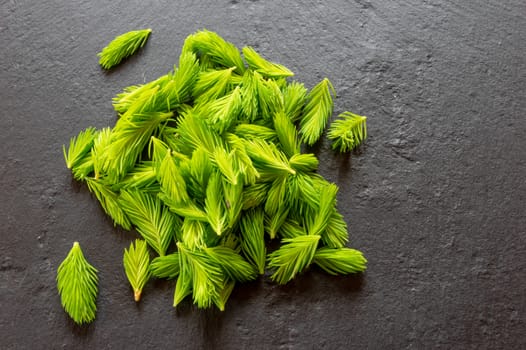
{"x": 206, "y": 164}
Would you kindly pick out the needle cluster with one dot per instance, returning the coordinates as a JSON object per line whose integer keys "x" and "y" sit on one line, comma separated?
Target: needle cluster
{"x": 122, "y": 47}
{"x": 77, "y": 284}
{"x": 348, "y": 131}
{"x": 206, "y": 163}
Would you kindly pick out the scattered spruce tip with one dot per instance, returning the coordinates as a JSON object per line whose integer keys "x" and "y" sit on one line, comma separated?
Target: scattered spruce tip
{"x": 122, "y": 47}
{"x": 347, "y": 131}
{"x": 77, "y": 284}
{"x": 136, "y": 262}
{"x": 206, "y": 164}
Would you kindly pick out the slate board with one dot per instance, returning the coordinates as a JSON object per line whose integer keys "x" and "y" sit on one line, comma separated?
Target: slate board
{"x": 435, "y": 199}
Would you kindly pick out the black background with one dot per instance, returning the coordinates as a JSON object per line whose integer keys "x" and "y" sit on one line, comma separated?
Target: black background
{"x": 435, "y": 199}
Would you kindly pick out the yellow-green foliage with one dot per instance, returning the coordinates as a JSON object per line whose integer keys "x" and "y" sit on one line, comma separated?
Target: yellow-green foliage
{"x": 206, "y": 163}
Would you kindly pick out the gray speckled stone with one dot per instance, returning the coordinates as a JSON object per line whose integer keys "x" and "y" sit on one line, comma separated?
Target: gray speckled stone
{"x": 435, "y": 199}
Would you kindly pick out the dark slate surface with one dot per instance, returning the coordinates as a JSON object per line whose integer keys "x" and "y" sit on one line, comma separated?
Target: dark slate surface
{"x": 436, "y": 198}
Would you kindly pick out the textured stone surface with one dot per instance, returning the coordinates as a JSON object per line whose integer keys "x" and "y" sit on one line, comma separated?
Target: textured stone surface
{"x": 436, "y": 199}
